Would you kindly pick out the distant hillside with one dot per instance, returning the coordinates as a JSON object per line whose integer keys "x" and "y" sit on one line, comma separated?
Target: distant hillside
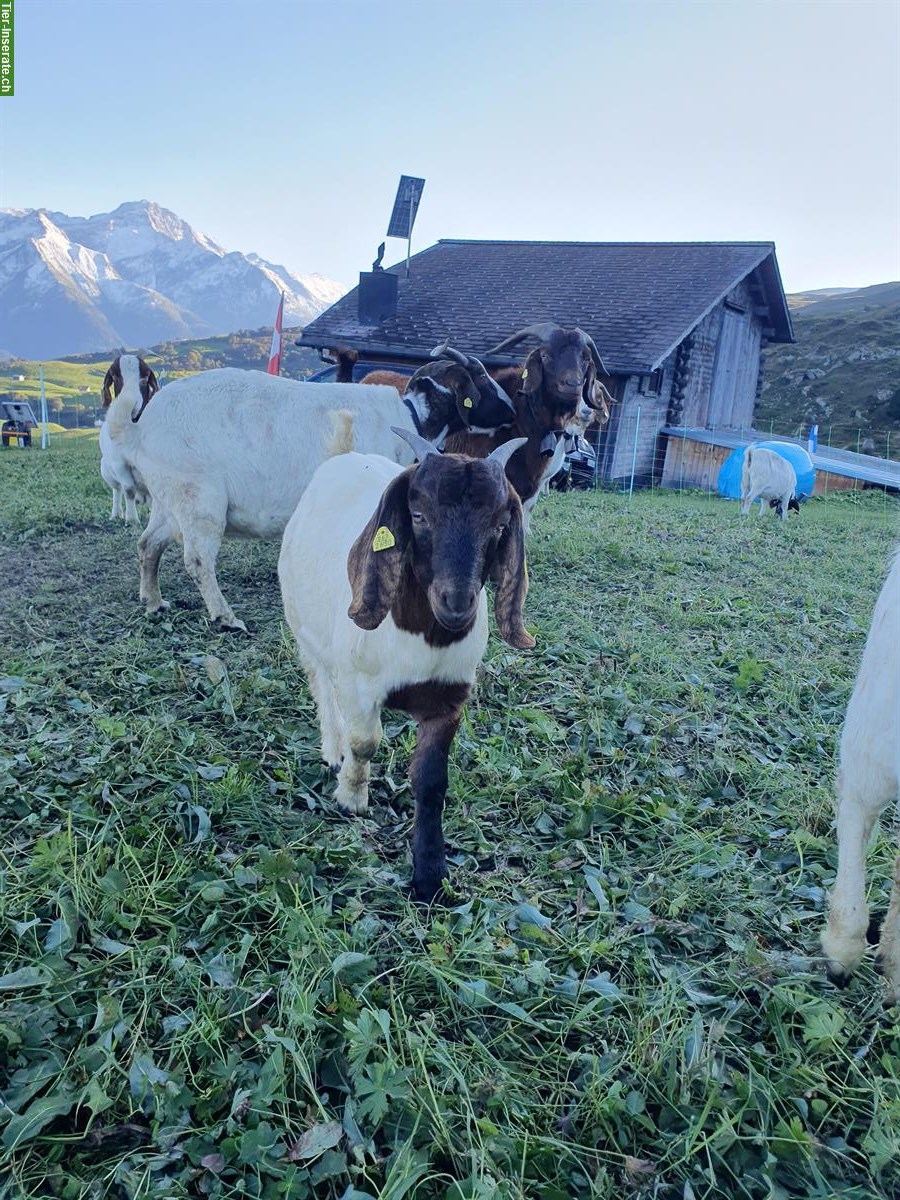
{"x": 134, "y": 276}
{"x": 79, "y": 378}
{"x": 843, "y": 372}
{"x": 835, "y": 302}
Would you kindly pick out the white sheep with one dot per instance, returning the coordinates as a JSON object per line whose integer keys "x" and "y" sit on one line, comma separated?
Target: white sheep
{"x": 868, "y": 780}
{"x": 231, "y": 451}
{"x": 766, "y": 476}
{"x": 382, "y": 576}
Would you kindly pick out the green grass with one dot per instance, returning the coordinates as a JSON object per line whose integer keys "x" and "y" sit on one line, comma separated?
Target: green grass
{"x": 70, "y": 382}
{"x": 214, "y": 985}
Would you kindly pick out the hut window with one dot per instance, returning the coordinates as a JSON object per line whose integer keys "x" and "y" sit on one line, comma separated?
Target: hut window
{"x": 652, "y": 383}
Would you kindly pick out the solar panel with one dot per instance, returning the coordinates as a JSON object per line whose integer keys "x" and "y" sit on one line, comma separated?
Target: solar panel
{"x": 406, "y": 205}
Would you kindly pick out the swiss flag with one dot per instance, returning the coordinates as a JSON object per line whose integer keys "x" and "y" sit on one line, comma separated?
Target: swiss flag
{"x": 274, "y": 367}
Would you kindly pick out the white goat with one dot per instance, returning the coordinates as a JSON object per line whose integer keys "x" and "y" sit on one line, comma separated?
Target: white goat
{"x": 382, "y": 576}
{"x": 127, "y": 492}
{"x": 231, "y": 451}
{"x": 766, "y": 476}
{"x": 868, "y": 780}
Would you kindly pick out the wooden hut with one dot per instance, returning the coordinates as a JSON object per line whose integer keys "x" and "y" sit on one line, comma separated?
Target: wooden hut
{"x": 680, "y": 325}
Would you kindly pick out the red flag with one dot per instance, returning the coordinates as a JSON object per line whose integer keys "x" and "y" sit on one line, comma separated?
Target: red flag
{"x": 274, "y": 367}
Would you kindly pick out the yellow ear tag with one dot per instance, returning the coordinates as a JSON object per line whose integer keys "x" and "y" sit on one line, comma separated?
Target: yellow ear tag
{"x": 383, "y": 539}
{"x": 467, "y": 403}
{"x": 525, "y": 374}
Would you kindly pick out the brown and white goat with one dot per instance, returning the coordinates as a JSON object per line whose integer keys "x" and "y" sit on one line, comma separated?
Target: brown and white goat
{"x": 382, "y": 575}
{"x": 557, "y": 377}
{"x": 453, "y": 393}
{"x": 115, "y": 471}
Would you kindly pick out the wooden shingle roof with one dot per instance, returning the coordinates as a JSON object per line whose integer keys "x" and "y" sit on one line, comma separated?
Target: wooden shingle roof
{"x": 638, "y": 300}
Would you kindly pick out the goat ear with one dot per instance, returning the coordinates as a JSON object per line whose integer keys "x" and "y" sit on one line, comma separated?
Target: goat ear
{"x": 112, "y": 377}
{"x": 533, "y": 373}
{"x": 153, "y": 383}
{"x": 375, "y": 562}
{"x": 600, "y": 400}
{"x": 467, "y": 405}
{"x": 509, "y": 576}
{"x": 590, "y": 378}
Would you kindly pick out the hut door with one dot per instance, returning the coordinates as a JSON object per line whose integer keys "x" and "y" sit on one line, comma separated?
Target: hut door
{"x": 732, "y": 340}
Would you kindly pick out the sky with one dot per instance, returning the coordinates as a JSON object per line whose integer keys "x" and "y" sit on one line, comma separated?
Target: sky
{"x": 281, "y": 127}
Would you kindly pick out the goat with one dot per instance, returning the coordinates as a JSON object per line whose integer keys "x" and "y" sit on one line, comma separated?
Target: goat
{"x": 765, "y": 475}
{"x": 114, "y": 469}
{"x": 556, "y": 377}
{"x": 382, "y": 576}
{"x": 563, "y": 368}
{"x": 575, "y": 430}
{"x": 115, "y": 472}
{"x": 868, "y": 780}
{"x": 230, "y": 451}
{"x": 457, "y": 385}
{"x": 344, "y": 359}
{"x": 383, "y": 378}
{"x": 460, "y": 387}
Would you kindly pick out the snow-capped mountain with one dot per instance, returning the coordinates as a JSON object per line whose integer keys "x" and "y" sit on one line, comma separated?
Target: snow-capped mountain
{"x": 134, "y": 277}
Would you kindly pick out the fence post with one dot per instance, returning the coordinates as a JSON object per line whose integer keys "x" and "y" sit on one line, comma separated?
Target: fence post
{"x": 637, "y": 426}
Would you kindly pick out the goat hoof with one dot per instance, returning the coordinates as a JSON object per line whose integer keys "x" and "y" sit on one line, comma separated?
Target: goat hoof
{"x": 352, "y": 805}
{"x": 235, "y": 626}
{"x": 838, "y": 975}
{"x": 428, "y": 891}
{"x": 159, "y": 610}
{"x": 873, "y": 932}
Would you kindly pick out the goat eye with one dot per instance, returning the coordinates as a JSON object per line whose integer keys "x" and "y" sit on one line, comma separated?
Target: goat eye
{"x": 418, "y": 518}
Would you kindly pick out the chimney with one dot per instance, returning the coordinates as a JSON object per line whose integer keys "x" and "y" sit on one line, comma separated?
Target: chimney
{"x": 377, "y": 296}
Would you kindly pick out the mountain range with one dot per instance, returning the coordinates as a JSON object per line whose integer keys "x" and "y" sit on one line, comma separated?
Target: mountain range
{"x": 133, "y": 277}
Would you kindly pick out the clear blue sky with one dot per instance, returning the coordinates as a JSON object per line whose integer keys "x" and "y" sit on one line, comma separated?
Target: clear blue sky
{"x": 281, "y": 127}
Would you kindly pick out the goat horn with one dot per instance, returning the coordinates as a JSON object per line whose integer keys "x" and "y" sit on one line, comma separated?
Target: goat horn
{"x": 445, "y": 350}
{"x": 505, "y": 451}
{"x": 475, "y": 364}
{"x": 419, "y": 445}
{"x": 595, "y": 353}
{"x": 541, "y": 331}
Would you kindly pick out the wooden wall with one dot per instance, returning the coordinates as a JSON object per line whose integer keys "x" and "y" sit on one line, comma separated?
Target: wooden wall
{"x": 653, "y": 418}
{"x": 724, "y": 366}
{"x": 828, "y": 482}
{"x": 692, "y": 464}
{"x": 699, "y": 382}
{"x": 736, "y": 364}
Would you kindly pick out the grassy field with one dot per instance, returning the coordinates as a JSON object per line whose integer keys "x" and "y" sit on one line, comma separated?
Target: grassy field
{"x": 214, "y": 985}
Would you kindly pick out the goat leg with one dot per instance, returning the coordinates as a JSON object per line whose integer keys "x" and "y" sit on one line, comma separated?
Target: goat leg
{"x": 428, "y": 776}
